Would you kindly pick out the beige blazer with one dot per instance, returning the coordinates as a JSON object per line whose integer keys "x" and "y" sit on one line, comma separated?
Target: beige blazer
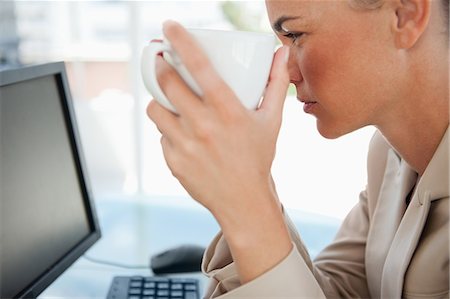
{"x": 384, "y": 248}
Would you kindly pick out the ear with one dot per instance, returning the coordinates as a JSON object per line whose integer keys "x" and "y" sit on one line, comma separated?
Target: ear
{"x": 412, "y": 20}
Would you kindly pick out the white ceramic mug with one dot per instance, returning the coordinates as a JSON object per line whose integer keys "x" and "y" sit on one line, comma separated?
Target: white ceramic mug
{"x": 242, "y": 59}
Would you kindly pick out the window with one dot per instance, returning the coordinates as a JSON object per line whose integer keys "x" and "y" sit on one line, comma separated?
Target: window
{"x": 101, "y": 43}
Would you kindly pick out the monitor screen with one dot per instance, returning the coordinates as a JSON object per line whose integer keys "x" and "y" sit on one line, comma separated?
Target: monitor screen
{"x": 47, "y": 216}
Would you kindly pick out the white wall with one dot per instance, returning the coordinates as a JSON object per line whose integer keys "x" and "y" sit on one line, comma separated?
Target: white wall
{"x": 311, "y": 173}
{"x": 317, "y": 174}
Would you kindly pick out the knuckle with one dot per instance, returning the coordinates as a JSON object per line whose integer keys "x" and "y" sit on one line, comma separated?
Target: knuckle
{"x": 172, "y": 160}
{"x": 203, "y": 131}
{"x": 174, "y": 170}
{"x": 176, "y": 167}
{"x": 174, "y": 173}
{"x": 189, "y": 149}
{"x": 151, "y": 109}
{"x": 165, "y": 148}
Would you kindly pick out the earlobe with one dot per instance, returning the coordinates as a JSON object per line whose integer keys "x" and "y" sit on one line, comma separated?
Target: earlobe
{"x": 412, "y": 19}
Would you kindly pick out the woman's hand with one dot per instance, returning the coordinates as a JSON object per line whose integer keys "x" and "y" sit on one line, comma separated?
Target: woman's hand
{"x": 216, "y": 148}
{"x": 221, "y": 152}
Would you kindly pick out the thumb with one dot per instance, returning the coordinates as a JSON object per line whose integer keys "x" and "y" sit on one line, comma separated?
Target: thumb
{"x": 278, "y": 84}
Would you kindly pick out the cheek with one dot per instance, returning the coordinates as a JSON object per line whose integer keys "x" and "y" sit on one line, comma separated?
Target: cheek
{"x": 322, "y": 69}
{"x": 336, "y": 70}
{"x": 340, "y": 77}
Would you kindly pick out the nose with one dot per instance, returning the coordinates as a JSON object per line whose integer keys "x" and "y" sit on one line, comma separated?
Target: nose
{"x": 295, "y": 74}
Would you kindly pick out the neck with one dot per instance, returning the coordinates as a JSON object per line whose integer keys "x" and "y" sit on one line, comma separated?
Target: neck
{"x": 421, "y": 120}
{"x": 416, "y": 143}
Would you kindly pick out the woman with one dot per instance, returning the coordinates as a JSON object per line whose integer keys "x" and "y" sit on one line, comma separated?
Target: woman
{"x": 354, "y": 63}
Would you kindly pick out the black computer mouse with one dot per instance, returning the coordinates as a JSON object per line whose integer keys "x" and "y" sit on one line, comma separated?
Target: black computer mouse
{"x": 180, "y": 259}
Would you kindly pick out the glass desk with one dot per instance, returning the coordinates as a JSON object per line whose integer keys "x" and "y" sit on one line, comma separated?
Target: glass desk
{"x": 134, "y": 229}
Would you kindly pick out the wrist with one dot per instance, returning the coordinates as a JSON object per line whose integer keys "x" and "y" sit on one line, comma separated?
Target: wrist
{"x": 258, "y": 237}
{"x": 249, "y": 212}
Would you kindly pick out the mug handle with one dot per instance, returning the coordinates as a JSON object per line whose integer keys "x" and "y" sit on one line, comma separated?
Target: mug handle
{"x": 148, "y": 72}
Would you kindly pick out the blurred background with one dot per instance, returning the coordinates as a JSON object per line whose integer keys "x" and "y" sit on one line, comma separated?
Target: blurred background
{"x": 101, "y": 42}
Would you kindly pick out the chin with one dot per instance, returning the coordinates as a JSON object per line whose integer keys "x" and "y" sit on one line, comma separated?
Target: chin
{"x": 331, "y": 131}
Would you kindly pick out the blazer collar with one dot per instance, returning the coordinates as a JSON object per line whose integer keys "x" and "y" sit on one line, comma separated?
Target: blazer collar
{"x": 398, "y": 180}
{"x": 433, "y": 185}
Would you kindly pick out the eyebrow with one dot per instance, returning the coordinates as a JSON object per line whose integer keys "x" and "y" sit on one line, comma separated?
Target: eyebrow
{"x": 278, "y": 24}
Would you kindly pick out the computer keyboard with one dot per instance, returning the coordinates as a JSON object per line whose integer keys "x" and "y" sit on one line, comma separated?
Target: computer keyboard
{"x": 153, "y": 287}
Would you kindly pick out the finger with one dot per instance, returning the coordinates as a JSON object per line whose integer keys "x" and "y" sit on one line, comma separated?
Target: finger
{"x": 166, "y": 146}
{"x": 177, "y": 92}
{"x": 167, "y": 149}
{"x": 278, "y": 84}
{"x": 166, "y": 122}
{"x": 198, "y": 64}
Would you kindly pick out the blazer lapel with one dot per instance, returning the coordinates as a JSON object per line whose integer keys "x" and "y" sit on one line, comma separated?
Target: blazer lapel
{"x": 398, "y": 181}
{"x": 433, "y": 185}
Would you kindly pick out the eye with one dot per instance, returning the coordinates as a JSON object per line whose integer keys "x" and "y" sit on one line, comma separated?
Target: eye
{"x": 294, "y": 36}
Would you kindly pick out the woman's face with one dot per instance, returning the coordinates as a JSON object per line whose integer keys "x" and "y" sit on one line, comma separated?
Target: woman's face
{"x": 342, "y": 61}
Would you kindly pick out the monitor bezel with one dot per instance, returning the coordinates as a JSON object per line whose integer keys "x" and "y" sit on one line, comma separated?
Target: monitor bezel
{"x": 58, "y": 70}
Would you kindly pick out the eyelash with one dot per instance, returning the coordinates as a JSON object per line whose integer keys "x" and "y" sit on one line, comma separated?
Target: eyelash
{"x": 293, "y": 36}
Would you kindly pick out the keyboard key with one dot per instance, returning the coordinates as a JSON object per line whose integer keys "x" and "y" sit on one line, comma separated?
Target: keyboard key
{"x": 136, "y": 284}
{"x": 156, "y": 279}
{"x": 176, "y": 294}
{"x": 163, "y": 285}
{"x": 190, "y": 295}
{"x": 190, "y": 287}
{"x": 163, "y": 293}
{"x": 149, "y": 285}
{"x": 176, "y": 286}
{"x": 134, "y": 291}
{"x": 138, "y": 287}
{"x": 148, "y": 292}
{"x": 183, "y": 280}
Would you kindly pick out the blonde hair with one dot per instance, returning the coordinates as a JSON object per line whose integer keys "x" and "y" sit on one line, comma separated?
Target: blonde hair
{"x": 374, "y": 4}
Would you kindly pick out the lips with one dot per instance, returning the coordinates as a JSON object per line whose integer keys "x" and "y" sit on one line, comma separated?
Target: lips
{"x": 308, "y": 105}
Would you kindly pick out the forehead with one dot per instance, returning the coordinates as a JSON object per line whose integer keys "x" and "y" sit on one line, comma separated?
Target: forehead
{"x": 305, "y": 9}
{"x": 274, "y": 6}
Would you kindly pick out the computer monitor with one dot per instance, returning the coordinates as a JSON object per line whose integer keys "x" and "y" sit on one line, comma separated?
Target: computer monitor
{"x": 48, "y": 218}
